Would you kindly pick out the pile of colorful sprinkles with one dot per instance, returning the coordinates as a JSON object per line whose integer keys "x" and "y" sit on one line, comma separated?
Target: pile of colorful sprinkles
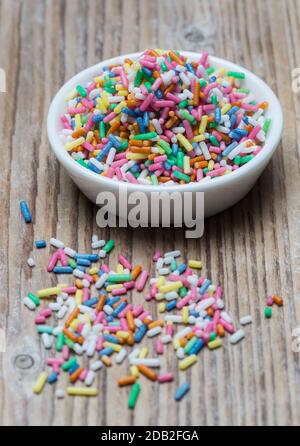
{"x": 164, "y": 119}
{"x": 93, "y": 317}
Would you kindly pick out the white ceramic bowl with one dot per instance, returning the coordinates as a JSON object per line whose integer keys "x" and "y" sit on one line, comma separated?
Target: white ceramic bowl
{"x": 220, "y": 193}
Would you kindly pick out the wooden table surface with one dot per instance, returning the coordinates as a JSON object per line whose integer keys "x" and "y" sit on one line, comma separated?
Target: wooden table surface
{"x": 252, "y": 249}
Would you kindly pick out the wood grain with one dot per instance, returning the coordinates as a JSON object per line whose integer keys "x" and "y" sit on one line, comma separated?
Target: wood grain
{"x": 252, "y": 249}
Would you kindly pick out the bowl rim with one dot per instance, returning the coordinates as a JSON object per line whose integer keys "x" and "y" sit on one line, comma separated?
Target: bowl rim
{"x": 55, "y": 110}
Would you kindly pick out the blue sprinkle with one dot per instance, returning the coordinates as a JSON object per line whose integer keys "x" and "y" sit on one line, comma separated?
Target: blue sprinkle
{"x": 181, "y": 391}
{"x": 40, "y": 244}
{"x": 140, "y": 333}
{"x": 25, "y": 211}
{"x": 63, "y": 270}
{"x": 205, "y": 286}
{"x": 106, "y": 352}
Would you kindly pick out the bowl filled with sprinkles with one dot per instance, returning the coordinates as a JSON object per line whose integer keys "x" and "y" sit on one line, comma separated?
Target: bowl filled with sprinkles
{"x": 166, "y": 120}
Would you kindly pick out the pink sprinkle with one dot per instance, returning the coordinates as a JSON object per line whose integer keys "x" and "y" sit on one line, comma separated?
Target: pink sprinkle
{"x": 165, "y": 378}
{"x": 141, "y": 282}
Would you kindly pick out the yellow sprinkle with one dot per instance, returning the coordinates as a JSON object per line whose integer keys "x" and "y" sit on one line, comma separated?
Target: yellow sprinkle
{"x": 105, "y": 99}
{"x": 159, "y": 297}
{"x": 176, "y": 343}
{"x": 162, "y": 307}
{"x": 187, "y": 362}
{"x": 203, "y": 124}
{"x": 71, "y": 95}
{"x": 90, "y": 136}
{"x": 134, "y": 371}
{"x": 184, "y": 142}
{"x": 144, "y": 353}
{"x": 78, "y": 297}
{"x": 123, "y": 92}
{"x": 199, "y": 138}
{"x": 120, "y": 268}
{"x": 106, "y": 360}
{"x": 119, "y": 107}
{"x": 40, "y": 382}
{"x": 170, "y": 287}
{"x": 185, "y": 315}
{"x": 46, "y": 292}
{"x": 123, "y": 334}
{"x": 214, "y": 344}
{"x": 160, "y": 281}
{"x": 78, "y": 124}
{"x": 112, "y": 287}
{"x": 93, "y": 271}
{"x": 136, "y": 156}
{"x": 186, "y": 164}
{"x": 82, "y": 391}
{"x": 211, "y": 165}
{"x": 87, "y": 319}
{"x": 197, "y": 264}
{"x": 100, "y": 105}
{"x": 225, "y": 109}
{"x": 74, "y": 324}
{"x": 115, "y": 347}
{"x": 73, "y": 144}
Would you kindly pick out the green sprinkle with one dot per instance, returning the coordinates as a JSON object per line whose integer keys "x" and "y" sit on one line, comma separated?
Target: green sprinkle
{"x": 116, "y": 278}
{"x": 124, "y": 145}
{"x": 214, "y": 100}
{"x": 266, "y": 126}
{"x": 109, "y": 246}
{"x": 205, "y": 170}
{"x": 181, "y": 176}
{"x": 165, "y": 146}
{"x": 145, "y": 136}
{"x": 236, "y": 74}
{"x": 148, "y": 86}
{"x": 202, "y": 83}
{"x": 212, "y": 125}
{"x": 214, "y": 140}
{"x": 102, "y": 131}
{"x": 138, "y": 78}
{"x": 81, "y": 91}
{"x": 173, "y": 265}
{"x": 34, "y": 298}
{"x": 237, "y": 160}
{"x": 164, "y": 66}
{"x": 60, "y": 341}
{"x": 154, "y": 179}
{"x": 182, "y": 291}
{"x": 210, "y": 70}
{"x": 268, "y": 312}
{"x": 69, "y": 343}
{"x": 44, "y": 329}
{"x": 180, "y": 157}
{"x": 136, "y": 388}
{"x": 212, "y": 336}
{"x": 185, "y": 115}
{"x": 183, "y": 104}
{"x": 246, "y": 159}
{"x": 67, "y": 365}
{"x": 72, "y": 263}
{"x": 82, "y": 162}
{"x": 243, "y": 90}
{"x": 190, "y": 345}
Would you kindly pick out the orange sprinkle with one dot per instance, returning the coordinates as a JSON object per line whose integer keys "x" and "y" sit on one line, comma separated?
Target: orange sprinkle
{"x": 75, "y": 375}
{"x": 175, "y": 58}
{"x": 196, "y": 94}
{"x": 136, "y": 272}
{"x": 144, "y": 150}
{"x": 72, "y": 316}
{"x": 220, "y": 330}
{"x": 146, "y": 371}
{"x": 78, "y": 133}
{"x": 158, "y": 323}
{"x": 106, "y": 360}
{"x": 126, "y": 381}
{"x": 278, "y": 300}
{"x": 72, "y": 336}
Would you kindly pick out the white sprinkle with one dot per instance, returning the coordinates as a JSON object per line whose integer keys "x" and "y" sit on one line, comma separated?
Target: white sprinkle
{"x": 69, "y": 252}
{"x": 164, "y": 271}
{"x": 78, "y": 273}
{"x": 62, "y": 312}
{"x": 89, "y": 378}
{"x": 180, "y": 353}
{"x": 166, "y": 339}
{"x": 97, "y": 365}
{"x": 60, "y": 394}
{"x": 154, "y": 332}
{"x": 246, "y": 320}
{"x": 98, "y": 244}
{"x": 237, "y": 336}
{"x": 183, "y": 333}
{"x": 47, "y": 340}
{"x": 31, "y": 262}
{"x": 101, "y": 281}
{"x": 176, "y": 253}
{"x": 29, "y": 303}
{"x": 56, "y": 243}
{"x": 149, "y": 362}
{"x": 121, "y": 356}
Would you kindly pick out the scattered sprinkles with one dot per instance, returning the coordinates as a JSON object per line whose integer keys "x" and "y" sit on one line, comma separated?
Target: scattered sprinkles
{"x": 164, "y": 119}
{"x": 94, "y": 318}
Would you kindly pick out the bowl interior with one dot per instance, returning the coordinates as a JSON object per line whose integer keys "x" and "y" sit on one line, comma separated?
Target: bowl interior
{"x": 257, "y": 86}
